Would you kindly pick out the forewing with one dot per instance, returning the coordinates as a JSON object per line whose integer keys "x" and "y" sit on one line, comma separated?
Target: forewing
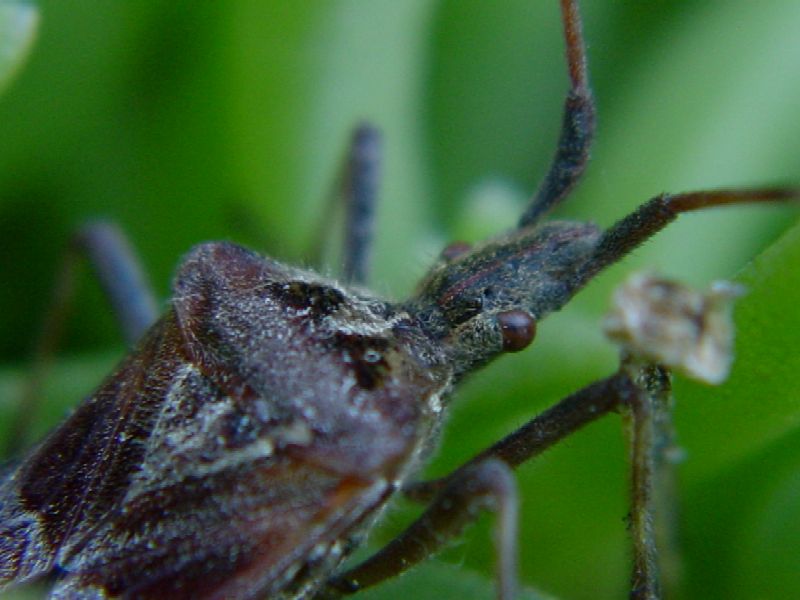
{"x": 263, "y": 530}
{"x": 71, "y": 481}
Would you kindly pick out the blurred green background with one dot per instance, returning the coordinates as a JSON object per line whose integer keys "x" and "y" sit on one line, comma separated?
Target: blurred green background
{"x": 190, "y": 121}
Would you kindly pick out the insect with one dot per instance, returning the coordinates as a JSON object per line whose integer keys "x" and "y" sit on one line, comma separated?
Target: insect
{"x": 366, "y": 315}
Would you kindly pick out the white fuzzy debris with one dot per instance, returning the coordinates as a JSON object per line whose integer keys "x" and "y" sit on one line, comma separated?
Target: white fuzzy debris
{"x": 297, "y": 433}
{"x": 666, "y": 322}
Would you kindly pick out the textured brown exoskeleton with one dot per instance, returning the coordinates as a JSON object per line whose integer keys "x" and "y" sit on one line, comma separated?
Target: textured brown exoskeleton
{"x": 260, "y": 425}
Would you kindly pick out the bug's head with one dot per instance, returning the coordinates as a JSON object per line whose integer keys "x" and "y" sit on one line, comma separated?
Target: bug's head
{"x": 482, "y": 301}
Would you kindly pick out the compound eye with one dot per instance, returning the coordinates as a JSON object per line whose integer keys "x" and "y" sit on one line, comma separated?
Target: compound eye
{"x": 518, "y": 329}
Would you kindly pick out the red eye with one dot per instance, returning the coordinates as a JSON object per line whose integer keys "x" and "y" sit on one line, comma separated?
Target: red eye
{"x": 518, "y": 328}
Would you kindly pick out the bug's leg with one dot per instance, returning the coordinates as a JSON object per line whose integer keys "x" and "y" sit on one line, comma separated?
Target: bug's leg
{"x": 655, "y": 214}
{"x": 361, "y": 195}
{"x": 357, "y": 188}
{"x": 646, "y": 410}
{"x": 448, "y": 513}
{"x": 665, "y": 504}
{"x": 487, "y": 485}
{"x": 120, "y": 275}
{"x": 662, "y": 324}
{"x": 577, "y": 128}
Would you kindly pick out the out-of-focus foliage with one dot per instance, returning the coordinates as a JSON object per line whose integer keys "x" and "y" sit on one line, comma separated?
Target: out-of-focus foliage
{"x": 193, "y": 121}
{"x": 18, "y": 25}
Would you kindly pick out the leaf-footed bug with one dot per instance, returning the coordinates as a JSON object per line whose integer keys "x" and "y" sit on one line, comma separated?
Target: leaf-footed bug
{"x": 272, "y": 387}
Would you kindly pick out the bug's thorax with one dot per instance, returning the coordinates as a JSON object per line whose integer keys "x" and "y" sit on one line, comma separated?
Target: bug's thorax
{"x": 347, "y": 367}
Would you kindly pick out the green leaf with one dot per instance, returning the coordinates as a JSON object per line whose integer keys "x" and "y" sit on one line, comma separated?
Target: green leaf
{"x": 759, "y": 404}
{"x": 745, "y": 443}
